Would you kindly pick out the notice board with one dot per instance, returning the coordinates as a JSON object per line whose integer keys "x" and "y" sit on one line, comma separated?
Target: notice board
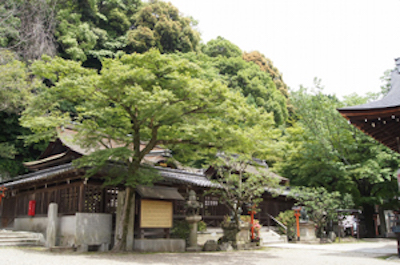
{"x": 156, "y": 214}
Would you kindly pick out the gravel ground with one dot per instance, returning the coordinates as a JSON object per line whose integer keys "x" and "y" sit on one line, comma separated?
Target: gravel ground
{"x": 341, "y": 254}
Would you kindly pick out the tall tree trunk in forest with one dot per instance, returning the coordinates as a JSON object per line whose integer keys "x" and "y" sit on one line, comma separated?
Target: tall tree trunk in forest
{"x": 125, "y": 218}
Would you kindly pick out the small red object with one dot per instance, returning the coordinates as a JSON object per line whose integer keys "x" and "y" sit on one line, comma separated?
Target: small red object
{"x": 32, "y": 208}
{"x": 2, "y": 191}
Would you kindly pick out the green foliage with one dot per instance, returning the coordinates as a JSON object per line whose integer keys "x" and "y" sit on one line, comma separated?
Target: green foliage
{"x": 15, "y": 82}
{"x": 267, "y": 66}
{"x": 181, "y": 229}
{"x": 13, "y": 151}
{"x": 27, "y": 27}
{"x": 238, "y": 186}
{"x": 14, "y": 92}
{"x": 160, "y": 25}
{"x": 201, "y": 226}
{"x": 221, "y": 47}
{"x": 9, "y": 22}
{"x": 324, "y": 150}
{"x": 256, "y": 85}
{"x": 92, "y": 30}
{"x": 144, "y": 97}
{"x": 321, "y": 205}
{"x": 288, "y": 219}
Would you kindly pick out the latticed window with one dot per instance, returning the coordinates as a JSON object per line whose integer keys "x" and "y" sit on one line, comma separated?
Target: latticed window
{"x": 212, "y": 207}
{"x": 22, "y": 204}
{"x": 69, "y": 199}
{"x": 93, "y": 201}
{"x": 179, "y": 208}
{"x": 111, "y": 199}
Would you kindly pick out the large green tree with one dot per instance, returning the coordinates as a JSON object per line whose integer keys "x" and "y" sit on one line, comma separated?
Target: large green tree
{"x": 324, "y": 150}
{"x": 151, "y": 99}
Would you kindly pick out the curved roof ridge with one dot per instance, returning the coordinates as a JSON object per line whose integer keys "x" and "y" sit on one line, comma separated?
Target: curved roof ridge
{"x": 390, "y": 100}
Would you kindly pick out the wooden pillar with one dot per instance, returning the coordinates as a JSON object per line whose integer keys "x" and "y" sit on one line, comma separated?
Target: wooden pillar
{"x": 81, "y": 203}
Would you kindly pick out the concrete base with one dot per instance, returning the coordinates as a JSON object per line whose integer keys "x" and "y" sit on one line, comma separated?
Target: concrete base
{"x": 194, "y": 249}
{"x": 159, "y": 245}
{"x": 307, "y": 232}
{"x": 100, "y": 248}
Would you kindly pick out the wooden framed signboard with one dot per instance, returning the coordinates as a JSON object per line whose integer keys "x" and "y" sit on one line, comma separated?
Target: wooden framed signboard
{"x": 156, "y": 214}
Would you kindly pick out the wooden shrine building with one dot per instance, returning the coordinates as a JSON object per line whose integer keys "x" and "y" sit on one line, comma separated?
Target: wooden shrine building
{"x": 82, "y": 201}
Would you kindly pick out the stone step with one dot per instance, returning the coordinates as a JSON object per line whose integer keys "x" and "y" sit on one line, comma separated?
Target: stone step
{"x": 270, "y": 236}
{"x": 20, "y": 238}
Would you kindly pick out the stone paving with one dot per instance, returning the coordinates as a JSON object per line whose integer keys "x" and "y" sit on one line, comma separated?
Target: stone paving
{"x": 361, "y": 253}
{"x": 379, "y": 246}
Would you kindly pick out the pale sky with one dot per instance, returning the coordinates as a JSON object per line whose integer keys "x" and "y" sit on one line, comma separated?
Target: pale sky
{"x": 348, "y": 44}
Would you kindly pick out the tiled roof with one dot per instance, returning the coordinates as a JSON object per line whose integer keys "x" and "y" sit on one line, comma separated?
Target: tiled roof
{"x": 175, "y": 176}
{"x": 391, "y": 100}
{"x": 39, "y": 175}
{"x": 183, "y": 177}
{"x": 172, "y": 175}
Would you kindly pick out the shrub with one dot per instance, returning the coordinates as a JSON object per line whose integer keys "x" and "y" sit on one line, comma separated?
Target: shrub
{"x": 289, "y": 220}
{"x": 180, "y": 229}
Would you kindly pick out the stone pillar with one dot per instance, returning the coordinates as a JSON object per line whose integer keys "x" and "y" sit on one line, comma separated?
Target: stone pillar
{"x": 52, "y": 221}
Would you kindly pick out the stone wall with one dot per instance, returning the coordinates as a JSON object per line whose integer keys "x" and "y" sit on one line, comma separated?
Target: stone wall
{"x": 32, "y": 224}
{"x": 159, "y": 245}
{"x": 82, "y": 229}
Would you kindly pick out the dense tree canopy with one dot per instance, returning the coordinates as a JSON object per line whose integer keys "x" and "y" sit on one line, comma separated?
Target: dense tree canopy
{"x": 92, "y": 30}
{"x": 28, "y": 27}
{"x": 221, "y": 47}
{"x": 324, "y": 150}
{"x": 256, "y": 85}
{"x": 160, "y": 25}
{"x": 267, "y": 66}
{"x": 14, "y": 92}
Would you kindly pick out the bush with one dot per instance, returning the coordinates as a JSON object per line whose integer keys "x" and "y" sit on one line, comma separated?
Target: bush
{"x": 289, "y": 220}
{"x": 201, "y": 226}
{"x": 180, "y": 229}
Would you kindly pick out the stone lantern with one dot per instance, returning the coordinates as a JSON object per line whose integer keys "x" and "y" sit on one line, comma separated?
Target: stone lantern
{"x": 193, "y": 217}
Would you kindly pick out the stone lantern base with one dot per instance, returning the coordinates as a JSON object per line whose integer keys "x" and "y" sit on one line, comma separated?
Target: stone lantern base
{"x": 239, "y": 238}
{"x": 307, "y": 231}
{"x": 193, "y": 220}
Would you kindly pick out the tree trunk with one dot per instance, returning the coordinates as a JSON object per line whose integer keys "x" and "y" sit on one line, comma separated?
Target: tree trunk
{"x": 124, "y": 226}
{"x": 368, "y": 212}
{"x": 382, "y": 227}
